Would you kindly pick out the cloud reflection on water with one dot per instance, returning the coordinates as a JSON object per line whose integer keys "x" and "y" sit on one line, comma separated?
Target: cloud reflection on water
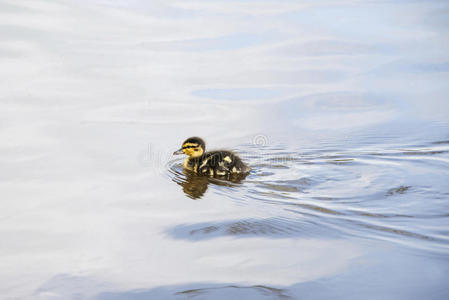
{"x": 346, "y": 86}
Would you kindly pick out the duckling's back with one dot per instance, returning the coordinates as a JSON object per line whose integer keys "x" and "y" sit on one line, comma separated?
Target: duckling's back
{"x": 221, "y": 163}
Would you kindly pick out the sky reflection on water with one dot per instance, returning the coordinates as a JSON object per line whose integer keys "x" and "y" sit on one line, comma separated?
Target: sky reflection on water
{"x": 340, "y": 108}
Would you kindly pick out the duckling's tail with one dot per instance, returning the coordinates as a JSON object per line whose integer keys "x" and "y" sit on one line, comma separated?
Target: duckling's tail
{"x": 246, "y": 169}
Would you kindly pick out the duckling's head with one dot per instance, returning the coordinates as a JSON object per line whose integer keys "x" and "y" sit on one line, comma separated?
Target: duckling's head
{"x": 193, "y": 147}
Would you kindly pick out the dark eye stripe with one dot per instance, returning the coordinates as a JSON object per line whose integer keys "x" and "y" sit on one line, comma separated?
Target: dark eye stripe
{"x": 185, "y": 147}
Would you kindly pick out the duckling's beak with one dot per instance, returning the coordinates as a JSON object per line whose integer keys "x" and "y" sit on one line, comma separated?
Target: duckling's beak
{"x": 178, "y": 152}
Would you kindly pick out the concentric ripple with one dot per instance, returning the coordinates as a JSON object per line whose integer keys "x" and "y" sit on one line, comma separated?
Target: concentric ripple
{"x": 370, "y": 193}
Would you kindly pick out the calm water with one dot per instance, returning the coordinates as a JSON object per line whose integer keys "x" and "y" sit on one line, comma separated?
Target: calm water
{"x": 340, "y": 107}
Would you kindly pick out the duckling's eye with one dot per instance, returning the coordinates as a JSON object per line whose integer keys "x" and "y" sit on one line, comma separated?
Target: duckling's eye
{"x": 196, "y": 150}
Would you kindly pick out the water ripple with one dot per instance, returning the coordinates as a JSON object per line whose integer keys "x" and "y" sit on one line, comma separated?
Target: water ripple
{"x": 342, "y": 191}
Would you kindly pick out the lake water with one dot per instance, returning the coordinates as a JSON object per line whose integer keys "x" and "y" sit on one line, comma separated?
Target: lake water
{"x": 340, "y": 108}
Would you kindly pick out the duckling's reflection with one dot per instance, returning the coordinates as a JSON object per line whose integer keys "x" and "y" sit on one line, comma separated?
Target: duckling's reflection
{"x": 194, "y": 185}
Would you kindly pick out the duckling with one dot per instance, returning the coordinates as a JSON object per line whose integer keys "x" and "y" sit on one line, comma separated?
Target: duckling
{"x": 212, "y": 163}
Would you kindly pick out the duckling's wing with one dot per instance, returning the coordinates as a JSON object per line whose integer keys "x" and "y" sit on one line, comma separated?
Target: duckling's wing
{"x": 212, "y": 162}
{"x": 231, "y": 163}
{"x": 221, "y": 162}
{"x": 239, "y": 165}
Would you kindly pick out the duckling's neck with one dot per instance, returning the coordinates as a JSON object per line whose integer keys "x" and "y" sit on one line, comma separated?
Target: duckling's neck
{"x": 191, "y": 163}
{"x": 186, "y": 163}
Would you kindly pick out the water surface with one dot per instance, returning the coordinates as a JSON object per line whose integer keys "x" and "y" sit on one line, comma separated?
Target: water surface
{"x": 339, "y": 107}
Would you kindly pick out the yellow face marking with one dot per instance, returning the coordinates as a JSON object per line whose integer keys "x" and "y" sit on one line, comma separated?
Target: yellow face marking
{"x": 192, "y": 149}
{"x": 189, "y": 145}
{"x": 227, "y": 159}
{"x": 197, "y": 152}
{"x": 187, "y": 148}
{"x": 234, "y": 170}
